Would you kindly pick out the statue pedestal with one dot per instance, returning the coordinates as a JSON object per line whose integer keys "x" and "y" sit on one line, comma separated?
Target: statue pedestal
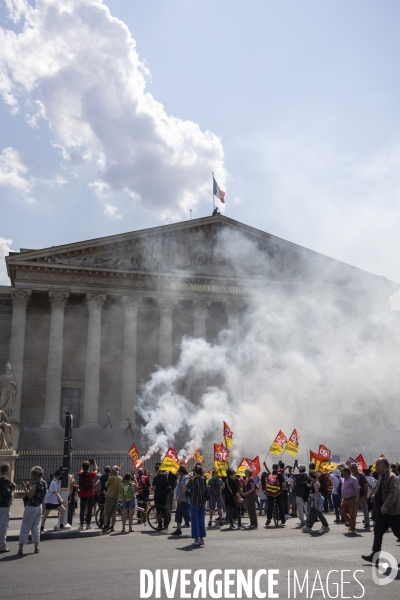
{"x": 9, "y": 456}
{"x": 13, "y": 437}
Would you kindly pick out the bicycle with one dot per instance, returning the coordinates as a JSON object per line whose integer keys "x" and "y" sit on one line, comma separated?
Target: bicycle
{"x": 156, "y": 515}
{"x": 99, "y": 514}
{"x": 275, "y": 513}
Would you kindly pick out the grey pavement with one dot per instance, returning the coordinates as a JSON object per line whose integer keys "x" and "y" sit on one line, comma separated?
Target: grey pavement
{"x": 110, "y": 565}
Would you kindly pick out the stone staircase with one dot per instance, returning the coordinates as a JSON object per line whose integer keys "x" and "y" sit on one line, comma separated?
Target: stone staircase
{"x": 36, "y": 438}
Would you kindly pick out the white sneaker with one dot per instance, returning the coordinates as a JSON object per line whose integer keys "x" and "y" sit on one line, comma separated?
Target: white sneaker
{"x": 324, "y": 530}
{"x": 196, "y": 542}
{"x": 306, "y": 529}
{"x": 288, "y": 516}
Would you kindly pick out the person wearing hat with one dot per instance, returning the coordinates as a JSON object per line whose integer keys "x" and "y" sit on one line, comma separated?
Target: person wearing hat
{"x": 53, "y": 500}
{"x": 113, "y": 487}
{"x": 336, "y": 478}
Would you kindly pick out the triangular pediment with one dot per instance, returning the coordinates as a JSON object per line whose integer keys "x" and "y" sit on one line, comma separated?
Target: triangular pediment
{"x": 211, "y": 246}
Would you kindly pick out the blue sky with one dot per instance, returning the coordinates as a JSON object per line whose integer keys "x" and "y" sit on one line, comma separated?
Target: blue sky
{"x": 294, "y": 105}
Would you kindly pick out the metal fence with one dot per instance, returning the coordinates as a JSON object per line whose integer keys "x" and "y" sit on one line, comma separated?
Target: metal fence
{"x": 52, "y": 460}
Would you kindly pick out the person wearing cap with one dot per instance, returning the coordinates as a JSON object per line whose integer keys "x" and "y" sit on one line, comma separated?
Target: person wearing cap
{"x": 53, "y": 500}
{"x": 113, "y": 487}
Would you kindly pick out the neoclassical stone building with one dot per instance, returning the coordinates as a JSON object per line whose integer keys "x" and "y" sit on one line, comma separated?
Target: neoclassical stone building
{"x": 84, "y": 324}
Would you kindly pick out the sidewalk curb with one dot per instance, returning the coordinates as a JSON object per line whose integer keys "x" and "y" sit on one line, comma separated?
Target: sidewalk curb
{"x": 59, "y": 535}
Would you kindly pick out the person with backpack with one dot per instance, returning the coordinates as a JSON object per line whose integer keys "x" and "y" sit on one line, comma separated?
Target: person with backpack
{"x": 86, "y": 491}
{"x": 128, "y": 494}
{"x": 113, "y": 487}
{"x": 215, "y": 486}
{"x": 336, "y": 480}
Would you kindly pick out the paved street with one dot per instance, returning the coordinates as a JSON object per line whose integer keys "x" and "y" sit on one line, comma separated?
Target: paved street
{"x": 109, "y": 566}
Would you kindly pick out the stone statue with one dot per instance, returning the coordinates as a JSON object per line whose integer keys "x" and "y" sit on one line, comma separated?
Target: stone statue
{"x": 3, "y": 425}
{"x": 8, "y": 391}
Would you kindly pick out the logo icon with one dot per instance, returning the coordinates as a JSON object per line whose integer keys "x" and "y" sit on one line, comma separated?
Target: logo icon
{"x": 387, "y": 568}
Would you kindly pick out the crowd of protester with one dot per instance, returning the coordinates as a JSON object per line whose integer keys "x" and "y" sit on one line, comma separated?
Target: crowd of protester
{"x": 293, "y": 492}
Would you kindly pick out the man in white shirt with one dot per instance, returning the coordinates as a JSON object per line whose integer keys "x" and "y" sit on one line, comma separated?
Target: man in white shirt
{"x": 53, "y": 500}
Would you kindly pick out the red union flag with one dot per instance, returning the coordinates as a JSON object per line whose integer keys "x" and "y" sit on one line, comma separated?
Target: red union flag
{"x": 133, "y": 452}
{"x": 324, "y": 451}
{"x": 228, "y": 435}
{"x": 278, "y": 444}
{"x": 255, "y": 466}
{"x": 361, "y": 464}
{"x": 292, "y": 447}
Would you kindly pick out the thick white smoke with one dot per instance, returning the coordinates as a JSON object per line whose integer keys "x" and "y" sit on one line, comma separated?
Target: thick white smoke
{"x": 319, "y": 358}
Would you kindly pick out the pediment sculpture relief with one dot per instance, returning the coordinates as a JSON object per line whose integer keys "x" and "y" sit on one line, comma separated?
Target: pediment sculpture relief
{"x": 210, "y": 251}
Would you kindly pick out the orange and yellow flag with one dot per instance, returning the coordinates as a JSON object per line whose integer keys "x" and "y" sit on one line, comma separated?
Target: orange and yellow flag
{"x": 170, "y": 461}
{"x": 133, "y": 452}
{"x": 278, "y": 444}
{"x": 221, "y": 457}
{"x": 228, "y": 435}
{"x": 322, "y": 464}
{"x": 292, "y": 447}
{"x": 198, "y": 456}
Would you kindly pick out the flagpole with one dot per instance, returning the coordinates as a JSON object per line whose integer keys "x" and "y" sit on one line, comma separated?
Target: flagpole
{"x": 213, "y": 190}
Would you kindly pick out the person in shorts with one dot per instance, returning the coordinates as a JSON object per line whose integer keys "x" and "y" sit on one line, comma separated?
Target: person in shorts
{"x": 53, "y": 500}
{"x": 113, "y": 487}
{"x": 215, "y": 485}
{"x": 128, "y": 494}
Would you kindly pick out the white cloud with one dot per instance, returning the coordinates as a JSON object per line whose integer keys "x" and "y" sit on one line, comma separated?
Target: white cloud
{"x": 12, "y": 171}
{"x": 112, "y": 211}
{"x": 83, "y": 65}
{"x": 5, "y": 249}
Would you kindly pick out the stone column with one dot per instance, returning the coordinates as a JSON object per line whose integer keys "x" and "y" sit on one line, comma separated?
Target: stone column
{"x": 200, "y": 309}
{"x": 92, "y": 370}
{"x": 20, "y": 299}
{"x": 58, "y": 302}
{"x": 234, "y": 309}
{"x": 131, "y": 305}
{"x": 200, "y": 312}
{"x": 166, "y": 306}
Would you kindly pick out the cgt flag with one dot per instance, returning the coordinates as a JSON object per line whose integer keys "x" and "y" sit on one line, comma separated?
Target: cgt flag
{"x": 133, "y": 452}
{"x": 228, "y": 435}
{"x": 324, "y": 451}
{"x": 322, "y": 464}
{"x": 292, "y": 447}
{"x": 221, "y": 457}
{"x": 361, "y": 464}
{"x": 217, "y": 191}
{"x": 170, "y": 461}
{"x": 278, "y": 444}
{"x": 244, "y": 465}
